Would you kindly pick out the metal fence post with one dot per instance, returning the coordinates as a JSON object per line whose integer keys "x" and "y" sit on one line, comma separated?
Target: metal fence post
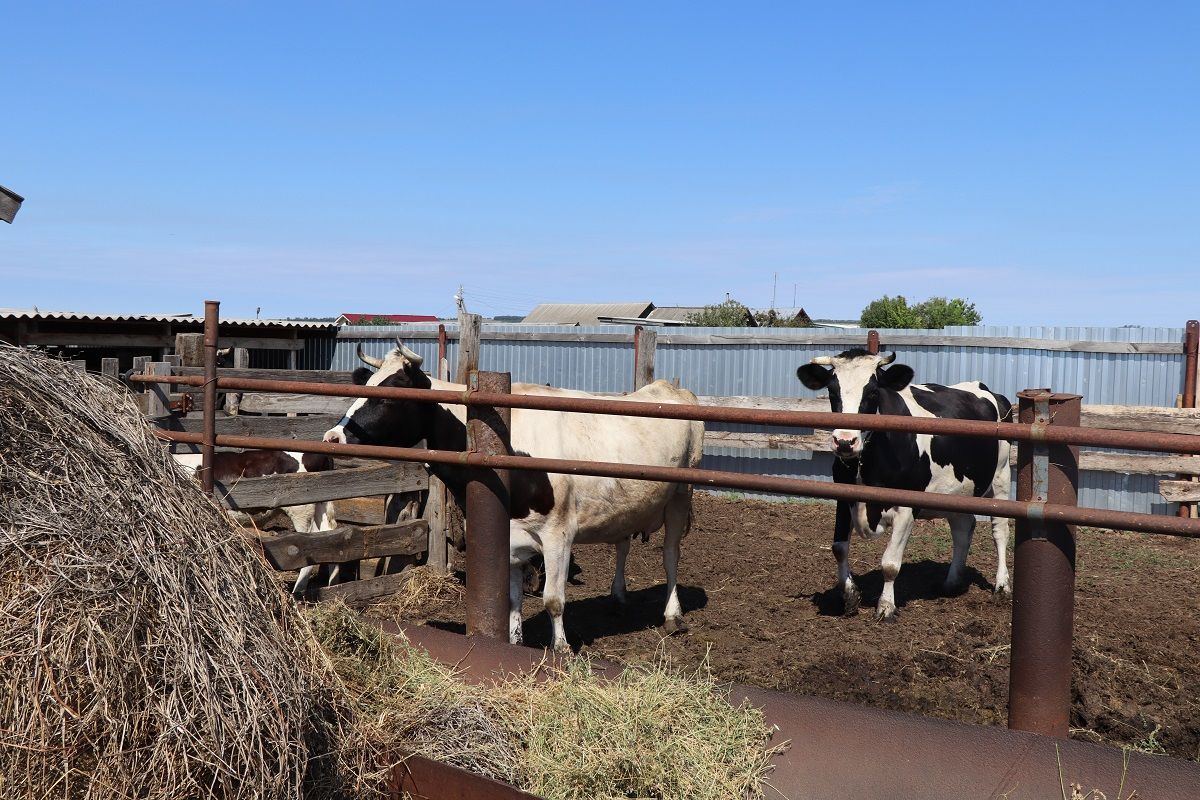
{"x": 1191, "y": 352}
{"x": 1043, "y": 613}
{"x": 487, "y": 512}
{"x": 208, "y": 449}
{"x": 873, "y": 342}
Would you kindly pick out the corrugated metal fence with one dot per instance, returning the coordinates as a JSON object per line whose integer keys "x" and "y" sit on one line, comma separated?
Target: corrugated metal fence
{"x": 724, "y": 363}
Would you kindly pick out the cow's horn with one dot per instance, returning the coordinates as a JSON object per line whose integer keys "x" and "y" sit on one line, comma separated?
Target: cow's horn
{"x": 824, "y": 361}
{"x": 889, "y": 358}
{"x": 409, "y": 354}
{"x": 366, "y": 359}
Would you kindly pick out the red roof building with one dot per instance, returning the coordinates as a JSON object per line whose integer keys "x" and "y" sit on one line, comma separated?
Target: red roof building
{"x": 382, "y": 319}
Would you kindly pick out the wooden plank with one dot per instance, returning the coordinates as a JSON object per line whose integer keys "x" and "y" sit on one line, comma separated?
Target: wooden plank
{"x": 1142, "y": 418}
{"x": 435, "y": 514}
{"x": 818, "y": 441}
{"x": 86, "y": 339}
{"x": 359, "y": 593}
{"x": 190, "y": 347}
{"x": 300, "y": 428}
{"x": 110, "y": 368}
{"x": 250, "y": 494}
{"x": 469, "y": 327}
{"x": 261, "y": 343}
{"x": 767, "y": 403}
{"x": 271, "y": 403}
{"x": 347, "y": 543}
{"x": 158, "y": 396}
{"x": 647, "y": 344}
{"x": 78, "y": 364}
{"x": 306, "y": 375}
{"x": 1179, "y": 491}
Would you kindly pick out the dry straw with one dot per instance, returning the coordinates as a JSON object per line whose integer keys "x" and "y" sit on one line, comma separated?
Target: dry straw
{"x": 145, "y": 650}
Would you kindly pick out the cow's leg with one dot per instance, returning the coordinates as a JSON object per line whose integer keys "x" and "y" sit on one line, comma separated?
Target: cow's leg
{"x": 844, "y": 521}
{"x": 516, "y": 595}
{"x": 557, "y": 553}
{"x": 1000, "y": 525}
{"x": 962, "y": 528}
{"x": 1003, "y": 587}
{"x": 893, "y": 557}
{"x": 300, "y": 588}
{"x": 678, "y": 513}
{"x": 618, "y": 584}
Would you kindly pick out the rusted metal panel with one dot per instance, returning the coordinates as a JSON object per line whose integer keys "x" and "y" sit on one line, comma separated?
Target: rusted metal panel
{"x": 212, "y": 313}
{"x": 425, "y": 779}
{"x": 703, "y": 478}
{"x": 487, "y": 513}
{"x": 1039, "y": 697}
{"x": 843, "y": 750}
{"x": 1093, "y": 437}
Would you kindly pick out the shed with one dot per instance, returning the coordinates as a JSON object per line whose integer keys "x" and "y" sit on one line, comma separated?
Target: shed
{"x": 586, "y": 313}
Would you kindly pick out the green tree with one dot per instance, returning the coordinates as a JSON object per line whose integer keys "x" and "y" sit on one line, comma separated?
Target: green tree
{"x": 936, "y": 312}
{"x": 890, "y": 312}
{"x": 729, "y": 314}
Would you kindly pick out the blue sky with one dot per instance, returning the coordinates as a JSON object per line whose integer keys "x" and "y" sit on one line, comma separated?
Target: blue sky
{"x": 310, "y": 159}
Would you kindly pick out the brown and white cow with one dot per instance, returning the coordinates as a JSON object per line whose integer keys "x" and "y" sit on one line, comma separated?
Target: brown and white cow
{"x": 305, "y": 518}
{"x": 551, "y": 513}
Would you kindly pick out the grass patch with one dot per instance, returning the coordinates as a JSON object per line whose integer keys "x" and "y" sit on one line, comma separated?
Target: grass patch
{"x": 563, "y": 732}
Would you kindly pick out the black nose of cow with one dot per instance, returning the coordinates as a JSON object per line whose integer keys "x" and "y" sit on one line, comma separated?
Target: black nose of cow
{"x": 845, "y": 445}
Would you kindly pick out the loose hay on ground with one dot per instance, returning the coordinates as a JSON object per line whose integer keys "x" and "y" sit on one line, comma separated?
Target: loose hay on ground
{"x": 563, "y": 733}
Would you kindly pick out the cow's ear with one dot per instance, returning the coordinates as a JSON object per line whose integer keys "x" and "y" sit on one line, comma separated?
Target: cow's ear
{"x": 361, "y": 375}
{"x": 896, "y": 377}
{"x": 814, "y": 376}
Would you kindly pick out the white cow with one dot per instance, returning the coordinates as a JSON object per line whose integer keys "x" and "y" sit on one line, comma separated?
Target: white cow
{"x": 551, "y": 512}
{"x": 306, "y": 518}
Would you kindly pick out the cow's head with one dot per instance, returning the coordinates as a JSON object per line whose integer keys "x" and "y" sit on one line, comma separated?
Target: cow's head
{"x": 394, "y": 423}
{"x": 853, "y": 379}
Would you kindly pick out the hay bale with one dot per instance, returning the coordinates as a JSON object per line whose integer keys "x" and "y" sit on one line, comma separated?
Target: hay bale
{"x": 145, "y": 648}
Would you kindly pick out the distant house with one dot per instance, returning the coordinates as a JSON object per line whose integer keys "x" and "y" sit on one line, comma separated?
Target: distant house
{"x": 382, "y": 319}
{"x": 587, "y": 313}
{"x": 792, "y": 317}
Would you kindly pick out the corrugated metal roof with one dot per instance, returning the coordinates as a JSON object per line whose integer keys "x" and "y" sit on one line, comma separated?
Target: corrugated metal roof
{"x": 675, "y": 313}
{"x": 585, "y": 313}
{"x": 38, "y": 314}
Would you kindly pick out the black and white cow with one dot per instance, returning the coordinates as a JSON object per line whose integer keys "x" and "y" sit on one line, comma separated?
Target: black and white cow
{"x": 550, "y": 512}
{"x": 863, "y": 383}
{"x": 305, "y": 518}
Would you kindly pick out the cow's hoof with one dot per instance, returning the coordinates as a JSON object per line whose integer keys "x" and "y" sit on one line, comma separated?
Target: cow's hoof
{"x": 673, "y": 625}
{"x": 851, "y": 600}
{"x": 954, "y": 588}
{"x": 885, "y": 613}
{"x": 1002, "y": 596}
{"x": 562, "y": 648}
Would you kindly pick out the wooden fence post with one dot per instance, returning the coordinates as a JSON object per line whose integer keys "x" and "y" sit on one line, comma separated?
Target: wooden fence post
{"x": 646, "y": 344}
{"x": 470, "y": 326}
{"x": 441, "y": 502}
{"x": 110, "y": 367}
{"x": 233, "y": 400}
{"x": 190, "y": 346}
{"x": 158, "y": 403}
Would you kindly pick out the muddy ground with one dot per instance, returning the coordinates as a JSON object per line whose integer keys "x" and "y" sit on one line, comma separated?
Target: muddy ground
{"x": 756, "y": 583}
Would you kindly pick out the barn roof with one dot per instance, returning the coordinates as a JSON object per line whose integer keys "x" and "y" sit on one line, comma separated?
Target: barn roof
{"x": 84, "y": 316}
{"x": 586, "y": 313}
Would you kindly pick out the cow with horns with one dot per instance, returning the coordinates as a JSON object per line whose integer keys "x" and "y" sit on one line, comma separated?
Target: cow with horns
{"x": 550, "y": 512}
{"x": 861, "y": 382}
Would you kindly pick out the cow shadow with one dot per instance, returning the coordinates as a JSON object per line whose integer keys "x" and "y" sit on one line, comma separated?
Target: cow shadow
{"x": 918, "y": 580}
{"x": 590, "y": 619}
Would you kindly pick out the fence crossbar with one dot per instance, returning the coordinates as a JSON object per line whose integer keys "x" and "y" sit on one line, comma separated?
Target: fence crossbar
{"x": 1011, "y": 431}
{"x": 706, "y": 478}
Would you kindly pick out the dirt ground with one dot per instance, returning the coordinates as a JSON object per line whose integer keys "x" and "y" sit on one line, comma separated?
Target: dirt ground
{"x": 756, "y": 583}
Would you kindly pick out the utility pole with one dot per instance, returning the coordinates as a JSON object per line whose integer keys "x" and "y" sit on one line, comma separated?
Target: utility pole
{"x": 774, "y": 284}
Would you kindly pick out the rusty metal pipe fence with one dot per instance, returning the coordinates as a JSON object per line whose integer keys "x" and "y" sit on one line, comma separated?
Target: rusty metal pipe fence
{"x": 1044, "y": 553}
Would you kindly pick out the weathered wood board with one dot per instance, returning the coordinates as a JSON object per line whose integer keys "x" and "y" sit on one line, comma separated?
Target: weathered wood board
{"x": 275, "y": 491}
